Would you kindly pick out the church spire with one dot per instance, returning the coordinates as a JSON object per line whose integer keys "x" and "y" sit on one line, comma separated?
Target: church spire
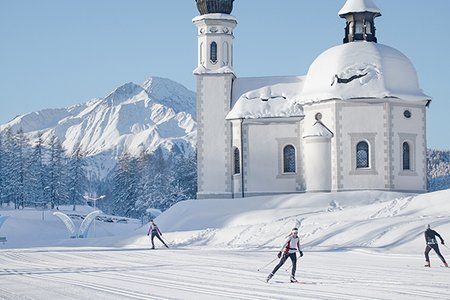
{"x": 360, "y": 16}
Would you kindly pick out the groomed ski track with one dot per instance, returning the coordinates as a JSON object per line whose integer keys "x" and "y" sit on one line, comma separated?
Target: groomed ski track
{"x": 203, "y": 273}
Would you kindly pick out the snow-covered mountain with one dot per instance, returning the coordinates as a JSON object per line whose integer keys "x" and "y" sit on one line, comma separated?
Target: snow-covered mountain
{"x": 159, "y": 114}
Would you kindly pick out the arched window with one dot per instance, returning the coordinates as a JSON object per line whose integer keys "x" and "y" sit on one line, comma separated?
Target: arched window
{"x": 289, "y": 159}
{"x": 213, "y": 52}
{"x": 406, "y": 157}
{"x": 362, "y": 155}
{"x": 237, "y": 161}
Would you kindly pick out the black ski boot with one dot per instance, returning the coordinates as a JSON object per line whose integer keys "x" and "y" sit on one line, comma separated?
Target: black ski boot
{"x": 269, "y": 277}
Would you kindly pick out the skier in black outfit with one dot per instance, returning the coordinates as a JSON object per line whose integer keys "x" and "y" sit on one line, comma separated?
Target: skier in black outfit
{"x": 153, "y": 231}
{"x": 430, "y": 239}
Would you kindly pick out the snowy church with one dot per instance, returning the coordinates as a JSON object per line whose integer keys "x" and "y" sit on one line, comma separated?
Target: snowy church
{"x": 355, "y": 121}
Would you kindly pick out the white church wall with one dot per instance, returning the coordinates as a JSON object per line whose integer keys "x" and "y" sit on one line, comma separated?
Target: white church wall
{"x": 237, "y": 143}
{"x": 263, "y": 172}
{"x": 316, "y": 178}
{"x": 410, "y": 129}
{"x": 362, "y": 122}
{"x": 318, "y": 164}
{"x": 214, "y": 134}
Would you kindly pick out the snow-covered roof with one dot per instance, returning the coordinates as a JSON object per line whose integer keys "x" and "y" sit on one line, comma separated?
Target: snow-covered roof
{"x": 214, "y": 16}
{"x": 318, "y": 130}
{"x": 200, "y": 70}
{"x": 362, "y": 70}
{"x": 356, "y": 6}
{"x": 266, "y": 97}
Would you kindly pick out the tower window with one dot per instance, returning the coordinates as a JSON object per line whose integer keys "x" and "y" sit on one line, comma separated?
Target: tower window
{"x": 237, "y": 161}
{"x": 359, "y": 28}
{"x": 368, "y": 26}
{"x": 362, "y": 155}
{"x": 289, "y": 159}
{"x": 213, "y": 52}
{"x": 406, "y": 156}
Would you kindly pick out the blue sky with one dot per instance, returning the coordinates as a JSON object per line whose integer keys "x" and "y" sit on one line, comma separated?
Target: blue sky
{"x": 56, "y": 53}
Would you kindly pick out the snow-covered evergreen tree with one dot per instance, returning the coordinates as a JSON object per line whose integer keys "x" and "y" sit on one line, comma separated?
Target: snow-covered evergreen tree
{"x": 36, "y": 174}
{"x": 159, "y": 180}
{"x": 76, "y": 178}
{"x": 2, "y": 169}
{"x": 125, "y": 186}
{"x": 18, "y": 149}
{"x": 438, "y": 169}
{"x": 57, "y": 174}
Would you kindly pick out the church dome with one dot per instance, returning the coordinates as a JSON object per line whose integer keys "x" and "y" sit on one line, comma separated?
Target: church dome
{"x": 214, "y": 6}
{"x": 361, "y": 70}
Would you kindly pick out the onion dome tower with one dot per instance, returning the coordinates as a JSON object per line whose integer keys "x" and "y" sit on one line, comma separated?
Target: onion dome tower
{"x": 214, "y": 6}
{"x": 215, "y": 77}
{"x": 360, "y": 16}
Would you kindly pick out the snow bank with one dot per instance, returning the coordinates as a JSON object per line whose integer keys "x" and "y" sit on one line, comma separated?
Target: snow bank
{"x": 370, "y": 220}
{"x": 379, "y": 221}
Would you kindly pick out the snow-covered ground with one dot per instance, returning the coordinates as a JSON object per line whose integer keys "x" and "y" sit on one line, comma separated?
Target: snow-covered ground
{"x": 357, "y": 245}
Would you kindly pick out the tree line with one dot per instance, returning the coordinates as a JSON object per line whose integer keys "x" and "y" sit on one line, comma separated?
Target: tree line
{"x": 438, "y": 169}
{"x": 40, "y": 173}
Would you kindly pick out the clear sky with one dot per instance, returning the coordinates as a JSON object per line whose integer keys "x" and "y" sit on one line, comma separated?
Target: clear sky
{"x": 56, "y": 53}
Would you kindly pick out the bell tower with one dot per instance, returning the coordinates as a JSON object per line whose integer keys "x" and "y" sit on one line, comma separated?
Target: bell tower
{"x": 215, "y": 77}
{"x": 360, "y": 16}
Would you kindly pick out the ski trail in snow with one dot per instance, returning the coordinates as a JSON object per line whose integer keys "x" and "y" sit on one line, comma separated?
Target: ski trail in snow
{"x": 201, "y": 273}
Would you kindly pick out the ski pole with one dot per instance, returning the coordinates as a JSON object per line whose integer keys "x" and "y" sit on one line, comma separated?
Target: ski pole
{"x": 263, "y": 267}
{"x": 287, "y": 269}
{"x": 165, "y": 241}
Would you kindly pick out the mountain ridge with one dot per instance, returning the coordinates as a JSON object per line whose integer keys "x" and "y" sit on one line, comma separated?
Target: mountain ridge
{"x": 159, "y": 114}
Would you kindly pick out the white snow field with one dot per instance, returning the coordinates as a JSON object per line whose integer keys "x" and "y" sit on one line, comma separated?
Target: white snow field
{"x": 357, "y": 245}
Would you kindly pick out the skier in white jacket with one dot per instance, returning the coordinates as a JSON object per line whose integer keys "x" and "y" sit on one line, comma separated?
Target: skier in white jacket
{"x": 289, "y": 249}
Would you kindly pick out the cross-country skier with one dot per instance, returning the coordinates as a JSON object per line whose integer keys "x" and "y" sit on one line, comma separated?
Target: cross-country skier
{"x": 154, "y": 231}
{"x": 430, "y": 238}
{"x": 289, "y": 250}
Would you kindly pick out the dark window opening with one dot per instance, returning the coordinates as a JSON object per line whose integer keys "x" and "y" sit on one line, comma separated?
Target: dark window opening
{"x": 406, "y": 157}
{"x": 213, "y": 52}
{"x": 362, "y": 155}
{"x": 407, "y": 114}
{"x": 237, "y": 161}
{"x": 289, "y": 159}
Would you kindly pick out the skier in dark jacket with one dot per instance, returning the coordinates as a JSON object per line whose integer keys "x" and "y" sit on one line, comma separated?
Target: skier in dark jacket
{"x": 289, "y": 250}
{"x": 154, "y": 231}
{"x": 430, "y": 239}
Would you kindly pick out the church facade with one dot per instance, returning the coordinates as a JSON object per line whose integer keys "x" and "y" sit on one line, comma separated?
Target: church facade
{"x": 355, "y": 121}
